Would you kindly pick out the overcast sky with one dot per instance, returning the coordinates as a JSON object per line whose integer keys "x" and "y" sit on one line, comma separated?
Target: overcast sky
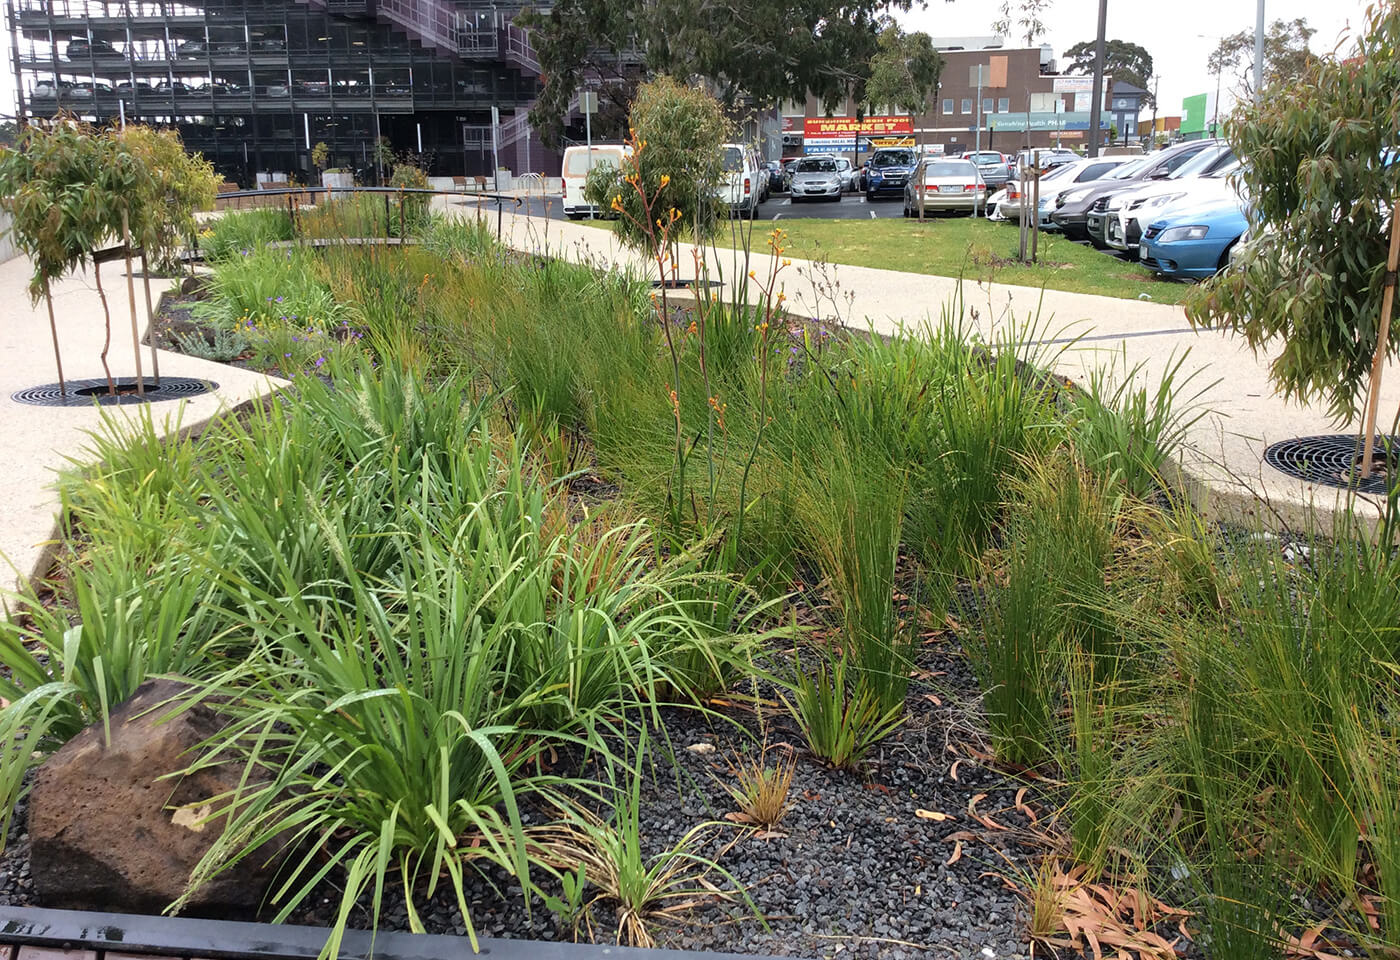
{"x": 1168, "y": 29}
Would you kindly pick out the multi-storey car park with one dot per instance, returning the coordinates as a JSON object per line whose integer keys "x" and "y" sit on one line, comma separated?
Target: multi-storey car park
{"x": 254, "y": 85}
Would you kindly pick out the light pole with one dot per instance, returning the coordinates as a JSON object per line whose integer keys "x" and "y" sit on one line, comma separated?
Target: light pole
{"x": 1096, "y": 108}
{"x": 1259, "y": 52}
{"x": 1219, "y": 67}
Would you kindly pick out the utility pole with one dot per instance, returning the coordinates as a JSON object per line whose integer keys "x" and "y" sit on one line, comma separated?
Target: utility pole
{"x": 1258, "y": 53}
{"x": 1096, "y": 108}
{"x": 1156, "y": 81}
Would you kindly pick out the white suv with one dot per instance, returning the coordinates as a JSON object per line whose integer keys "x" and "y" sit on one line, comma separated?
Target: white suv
{"x": 743, "y": 179}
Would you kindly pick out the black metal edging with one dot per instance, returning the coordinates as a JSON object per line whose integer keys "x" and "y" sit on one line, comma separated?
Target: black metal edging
{"x": 237, "y": 940}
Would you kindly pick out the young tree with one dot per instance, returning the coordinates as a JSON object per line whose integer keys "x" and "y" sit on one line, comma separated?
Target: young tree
{"x": 1286, "y": 55}
{"x": 905, "y": 73}
{"x": 1025, "y": 16}
{"x": 675, "y": 171}
{"x": 1323, "y": 189}
{"x": 172, "y": 185}
{"x": 1121, "y": 60}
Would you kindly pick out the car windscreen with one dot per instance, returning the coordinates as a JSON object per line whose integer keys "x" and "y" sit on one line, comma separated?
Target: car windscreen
{"x": 1128, "y": 169}
{"x": 1196, "y": 166}
{"x": 578, "y": 165}
{"x": 984, "y": 158}
{"x": 815, "y": 165}
{"x": 733, "y": 159}
{"x": 1223, "y": 172}
{"x": 892, "y": 158}
{"x": 950, "y": 168}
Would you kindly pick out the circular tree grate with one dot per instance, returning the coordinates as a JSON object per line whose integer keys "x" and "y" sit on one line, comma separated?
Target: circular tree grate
{"x": 1333, "y": 460}
{"x": 83, "y": 393}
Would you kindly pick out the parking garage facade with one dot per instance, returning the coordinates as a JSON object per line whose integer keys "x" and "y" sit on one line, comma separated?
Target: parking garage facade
{"x": 255, "y": 85}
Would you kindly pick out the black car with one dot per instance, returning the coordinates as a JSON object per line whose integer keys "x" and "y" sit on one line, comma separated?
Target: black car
{"x": 888, "y": 171}
{"x": 777, "y": 181}
{"x": 1075, "y": 207}
{"x": 96, "y": 49}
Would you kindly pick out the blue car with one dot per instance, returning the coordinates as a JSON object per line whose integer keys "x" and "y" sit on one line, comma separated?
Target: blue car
{"x": 888, "y": 172}
{"x": 1194, "y": 242}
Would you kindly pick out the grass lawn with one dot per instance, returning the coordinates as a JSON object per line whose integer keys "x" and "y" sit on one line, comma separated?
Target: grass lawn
{"x": 974, "y": 248}
{"x": 962, "y": 246}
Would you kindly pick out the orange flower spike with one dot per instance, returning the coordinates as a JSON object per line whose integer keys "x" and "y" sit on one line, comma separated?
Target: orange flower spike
{"x": 665, "y": 179}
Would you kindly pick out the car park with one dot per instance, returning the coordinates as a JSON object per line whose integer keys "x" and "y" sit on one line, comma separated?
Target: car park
{"x": 888, "y": 172}
{"x": 1195, "y": 242}
{"x": 741, "y": 188}
{"x": 578, "y": 163}
{"x": 949, "y": 184}
{"x": 816, "y": 178}
{"x": 1061, "y": 177}
{"x": 1080, "y": 211}
{"x": 991, "y": 165}
{"x": 1205, "y": 178}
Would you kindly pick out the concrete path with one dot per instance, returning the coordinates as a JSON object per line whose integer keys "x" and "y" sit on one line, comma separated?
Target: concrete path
{"x": 1223, "y": 461}
{"x": 42, "y": 440}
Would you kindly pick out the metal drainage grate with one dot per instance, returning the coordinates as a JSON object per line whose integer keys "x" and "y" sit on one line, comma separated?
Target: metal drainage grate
{"x": 83, "y": 393}
{"x": 1332, "y": 460}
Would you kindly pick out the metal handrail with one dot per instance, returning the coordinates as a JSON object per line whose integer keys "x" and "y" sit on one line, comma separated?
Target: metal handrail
{"x": 291, "y": 193}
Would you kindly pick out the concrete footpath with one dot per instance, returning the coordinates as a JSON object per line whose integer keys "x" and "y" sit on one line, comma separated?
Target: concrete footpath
{"x": 1223, "y": 461}
{"x": 43, "y": 440}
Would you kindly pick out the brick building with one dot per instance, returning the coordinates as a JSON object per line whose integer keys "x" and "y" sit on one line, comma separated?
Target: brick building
{"x": 1023, "y": 101}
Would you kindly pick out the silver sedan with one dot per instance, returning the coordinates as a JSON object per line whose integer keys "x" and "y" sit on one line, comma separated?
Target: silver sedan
{"x": 948, "y": 185}
{"x": 815, "y": 178}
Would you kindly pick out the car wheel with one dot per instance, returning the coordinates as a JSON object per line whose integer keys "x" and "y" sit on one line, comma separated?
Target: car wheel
{"x": 1228, "y": 257}
{"x": 869, "y": 197}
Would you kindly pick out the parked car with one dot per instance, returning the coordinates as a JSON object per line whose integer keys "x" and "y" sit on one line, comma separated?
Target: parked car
{"x": 777, "y": 179}
{"x": 192, "y": 50}
{"x": 991, "y": 165}
{"x": 888, "y": 172}
{"x": 1079, "y": 212}
{"x": 1195, "y": 242}
{"x": 578, "y": 162}
{"x": 48, "y": 89}
{"x": 847, "y": 169}
{"x": 1204, "y": 177}
{"x": 741, "y": 186}
{"x": 816, "y": 178}
{"x": 82, "y": 49}
{"x": 1061, "y": 177}
{"x": 949, "y": 184}
{"x": 1049, "y": 158}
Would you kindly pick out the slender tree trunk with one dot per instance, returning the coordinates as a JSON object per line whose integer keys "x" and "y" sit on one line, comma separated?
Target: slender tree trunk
{"x": 53, "y": 329}
{"x": 107, "y": 324}
{"x": 150, "y": 317}
{"x": 131, "y": 305}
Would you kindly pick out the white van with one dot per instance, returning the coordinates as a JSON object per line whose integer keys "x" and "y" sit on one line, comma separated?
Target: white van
{"x": 578, "y": 161}
{"x": 742, "y": 185}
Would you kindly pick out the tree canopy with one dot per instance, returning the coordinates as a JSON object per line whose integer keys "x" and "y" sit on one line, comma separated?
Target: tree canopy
{"x": 1322, "y": 186}
{"x": 1025, "y": 16}
{"x": 758, "y": 51}
{"x": 1286, "y": 55}
{"x": 904, "y": 72}
{"x": 1122, "y": 60}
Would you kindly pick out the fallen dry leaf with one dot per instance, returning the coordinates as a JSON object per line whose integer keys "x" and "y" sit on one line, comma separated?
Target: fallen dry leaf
{"x": 957, "y": 855}
{"x": 953, "y": 770}
{"x": 932, "y": 815}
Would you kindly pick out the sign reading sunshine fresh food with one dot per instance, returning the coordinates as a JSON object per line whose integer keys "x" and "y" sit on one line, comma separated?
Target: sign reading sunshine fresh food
{"x": 838, "y": 134}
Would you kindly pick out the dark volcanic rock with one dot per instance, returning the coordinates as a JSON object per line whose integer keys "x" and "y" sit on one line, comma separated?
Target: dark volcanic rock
{"x": 106, "y": 832}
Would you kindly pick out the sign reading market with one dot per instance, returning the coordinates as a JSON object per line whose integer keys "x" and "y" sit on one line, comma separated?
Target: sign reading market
{"x": 838, "y": 134}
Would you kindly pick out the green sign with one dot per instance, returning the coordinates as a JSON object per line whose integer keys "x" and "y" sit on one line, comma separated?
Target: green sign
{"x": 1193, "y": 114}
{"x": 1019, "y": 122}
